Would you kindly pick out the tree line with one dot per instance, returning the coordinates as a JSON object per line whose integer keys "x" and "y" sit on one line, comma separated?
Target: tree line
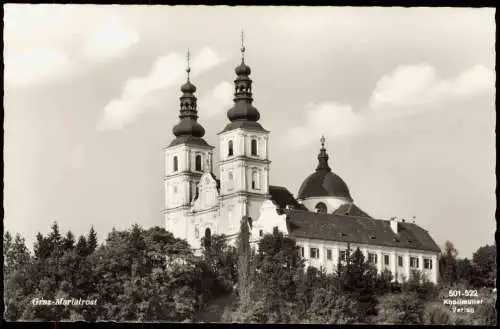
{"x": 149, "y": 275}
{"x": 275, "y": 287}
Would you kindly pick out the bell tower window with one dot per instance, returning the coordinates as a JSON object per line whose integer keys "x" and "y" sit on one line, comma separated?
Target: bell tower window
{"x": 320, "y": 207}
{"x": 198, "y": 162}
{"x": 176, "y": 163}
{"x": 255, "y": 180}
{"x": 254, "y": 146}
{"x": 230, "y": 148}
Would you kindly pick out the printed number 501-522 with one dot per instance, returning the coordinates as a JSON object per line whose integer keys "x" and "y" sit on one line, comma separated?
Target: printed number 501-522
{"x": 460, "y": 293}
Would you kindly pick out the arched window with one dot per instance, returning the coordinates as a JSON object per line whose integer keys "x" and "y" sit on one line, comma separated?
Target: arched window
{"x": 196, "y": 232}
{"x": 230, "y": 148}
{"x": 198, "y": 163}
{"x": 176, "y": 164}
{"x": 254, "y": 146}
{"x": 255, "y": 180}
{"x": 321, "y": 207}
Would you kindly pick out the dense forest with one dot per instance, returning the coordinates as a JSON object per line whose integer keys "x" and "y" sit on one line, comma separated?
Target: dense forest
{"x": 149, "y": 275}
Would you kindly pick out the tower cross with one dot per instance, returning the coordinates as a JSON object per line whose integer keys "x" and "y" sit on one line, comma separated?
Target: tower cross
{"x": 322, "y": 140}
{"x": 188, "y": 69}
{"x": 242, "y": 45}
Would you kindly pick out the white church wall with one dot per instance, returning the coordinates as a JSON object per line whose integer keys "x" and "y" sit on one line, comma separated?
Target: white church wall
{"x": 186, "y": 158}
{"x": 177, "y": 224}
{"x": 261, "y": 139}
{"x": 232, "y": 179}
{"x": 231, "y": 214}
{"x": 242, "y": 140}
{"x": 177, "y": 191}
{"x": 254, "y": 206}
{"x": 267, "y": 220}
{"x": 181, "y": 152}
{"x": 198, "y": 223}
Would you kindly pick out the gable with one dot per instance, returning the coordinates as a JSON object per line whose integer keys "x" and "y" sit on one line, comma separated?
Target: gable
{"x": 207, "y": 196}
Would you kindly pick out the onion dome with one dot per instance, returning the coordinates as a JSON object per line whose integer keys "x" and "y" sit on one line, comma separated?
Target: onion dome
{"x": 243, "y": 108}
{"x": 243, "y": 114}
{"x": 323, "y": 182}
{"x": 188, "y": 87}
{"x": 188, "y": 128}
{"x": 242, "y": 69}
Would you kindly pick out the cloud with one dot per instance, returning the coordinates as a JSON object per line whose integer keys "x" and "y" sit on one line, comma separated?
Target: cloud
{"x": 43, "y": 41}
{"x": 217, "y": 100}
{"x": 166, "y": 72}
{"x": 329, "y": 119}
{"x": 407, "y": 90}
{"x": 412, "y": 86}
{"x": 35, "y": 65}
{"x": 477, "y": 80}
{"x": 109, "y": 38}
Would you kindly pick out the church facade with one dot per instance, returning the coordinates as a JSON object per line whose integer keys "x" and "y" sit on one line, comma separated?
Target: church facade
{"x": 323, "y": 219}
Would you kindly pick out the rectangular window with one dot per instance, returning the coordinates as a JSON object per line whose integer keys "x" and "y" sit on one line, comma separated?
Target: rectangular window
{"x": 301, "y": 251}
{"x": 386, "y": 260}
{"x": 414, "y": 262}
{"x": 372, "y": 258}
{"x": 342, "y": 255}
{"x": 314, "y": 253}
{"x": 261, "y": 233}
{"x": 428, "y": 263}
{"x": 329, "y": 254}
{"x": 400, "y": 261}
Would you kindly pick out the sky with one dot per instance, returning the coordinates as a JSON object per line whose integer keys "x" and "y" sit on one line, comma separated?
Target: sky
{"x": 404, "y": 96}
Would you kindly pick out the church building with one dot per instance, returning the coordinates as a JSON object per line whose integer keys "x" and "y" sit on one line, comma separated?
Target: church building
{"x": 323, "y": 219}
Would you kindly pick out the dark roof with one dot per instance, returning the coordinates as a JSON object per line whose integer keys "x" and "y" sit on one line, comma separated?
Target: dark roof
{"x": 358, "y": 230}
{"x": 351, "y": 210}
{"x": 244, "y": 124}
{"x": 324, "y": 183}
{"x": 282, "y": 198}
{"x": 189, "y": 140}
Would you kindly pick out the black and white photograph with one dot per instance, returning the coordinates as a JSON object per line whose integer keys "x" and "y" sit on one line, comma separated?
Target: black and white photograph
{"x": 249, "y": 164}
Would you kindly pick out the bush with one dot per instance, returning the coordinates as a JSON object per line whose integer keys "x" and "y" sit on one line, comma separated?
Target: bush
{"x": 485, "y": 314}
{"x": 256, "y": 313}
{"x": 331, "y": 308}
{"x": 403, "y": 308}
{"x": 437, "y": 313}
